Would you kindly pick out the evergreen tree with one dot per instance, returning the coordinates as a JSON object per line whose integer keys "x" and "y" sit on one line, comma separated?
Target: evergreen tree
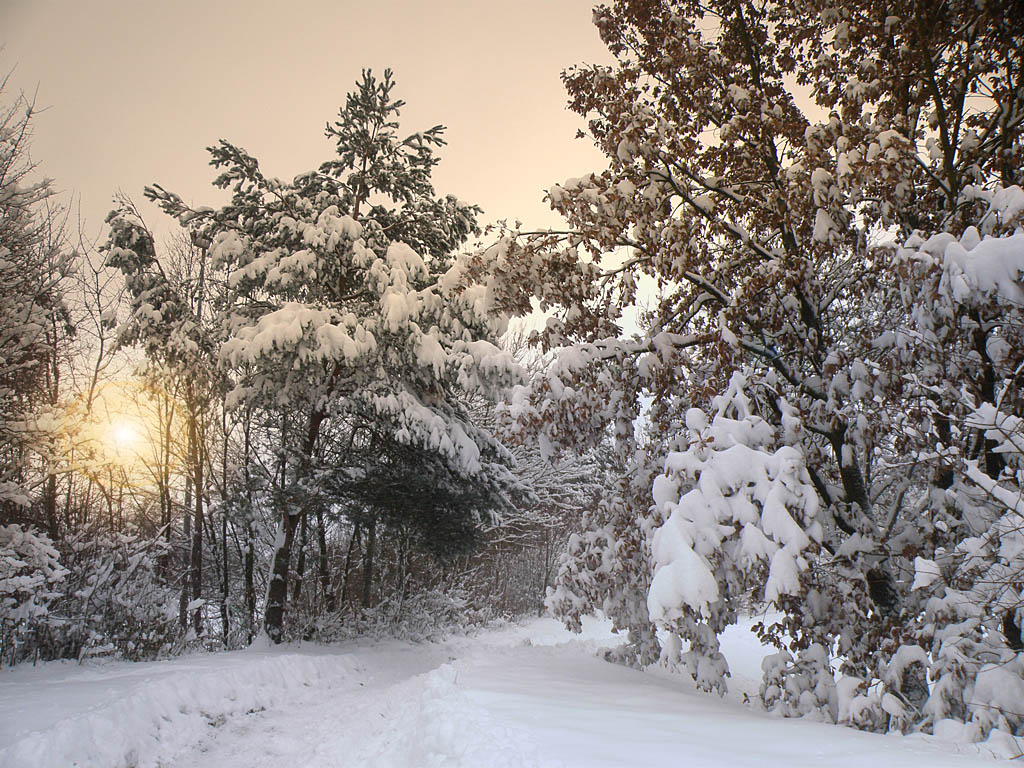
{"x": 343, "y": 320}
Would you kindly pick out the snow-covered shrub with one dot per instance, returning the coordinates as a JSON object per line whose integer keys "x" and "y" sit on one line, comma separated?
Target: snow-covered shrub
{"x": 429, "y": 614}
{"x": 421, "y": 616}
{"x": 802, "y": 685}
{"x": 864, "y": 705}
{"x": 30, "y": 579}
{"x": 739, "y": 514}
{"x": 114, "y": 599}
{"x": 606, "y": 567}
{"x": 966, "y": 305}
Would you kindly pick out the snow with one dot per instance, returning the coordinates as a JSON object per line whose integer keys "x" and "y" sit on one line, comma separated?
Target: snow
{"x": 529, "y": 695}
{"x": 926, "y": 572}
{"x": 682, "y": 577}
{"x": 823, "y": 225}
{"x": 62, "y": 714}
{"x": 975, "y": 263}
{"x": 728, "y": 478}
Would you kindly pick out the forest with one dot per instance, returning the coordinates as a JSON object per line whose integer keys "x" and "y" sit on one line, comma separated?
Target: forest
{"x": 771, "y": 365}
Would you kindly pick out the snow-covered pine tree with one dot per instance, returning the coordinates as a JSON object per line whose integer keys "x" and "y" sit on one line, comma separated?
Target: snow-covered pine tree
{"x": 767, "y": 228}
{"x": 342, "y": 318}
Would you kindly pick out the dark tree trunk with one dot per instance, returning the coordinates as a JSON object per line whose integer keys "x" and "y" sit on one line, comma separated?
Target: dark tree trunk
{"x": 225, "y": 584}
{"x": 250, "y": 535}
{"x": 371, "y": 547}
{"x": 944, "y": 472}
{"x": 196, "y": 560}
{"x": 352, "y": 542}
{"x": 849, "y": 473}
{"x": 403, "y": 573}
{"x": 300, "y": 567}
{"x": 880, "y": 580}
{"x": 250, "y": 582}
{"x": 325, "y": 576}
{"x": 186, "y": 534}
{"x": 50, "y": 504}
{"x": 277, "y": 590}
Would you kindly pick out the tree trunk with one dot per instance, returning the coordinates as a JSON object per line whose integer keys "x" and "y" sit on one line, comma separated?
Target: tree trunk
{"x": 880, "y": 580}
{"x": 250, "y": 582}
{"x": 300, "y": 567}
{"x": 943, "y": 472}
{"x": 549, "y": 564}
{"x": 196, "y": 560}
{"x": 50, "y": 503}
{"x": 164, "y": 482}
{"x": 277, "y": 589}
{"x": 353, "y": 540}
{"x": 371, "y": 547}
{"x": 250, "y": 534}
{"x": 994, "y": 461}
{"x": 403, "y": 572}
{"x": 186, "y": 534}
{"x": 225, "y": 617}
{"x": 849, "y": 473}
{"x": 325, "y": 577}
{"x": 225, "y": 584}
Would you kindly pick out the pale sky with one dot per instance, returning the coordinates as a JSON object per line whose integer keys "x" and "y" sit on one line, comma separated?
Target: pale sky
{"x": 135, "y": 90}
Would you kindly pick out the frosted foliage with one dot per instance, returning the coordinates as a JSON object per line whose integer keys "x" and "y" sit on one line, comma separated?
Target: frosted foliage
{"x": 984, "y": 263}
{"x": 802, "y": 685}
{"x": 30, "y": 574}
{"x": 881, "y": 361}
{"x": 33, "y": 266}
{"x": 421, "y": 425}
{"x": 305, "y": 333}
{"x": 402, "y": 319}
{"x": 998, "y": 695}
{"x": 1006, "y": 429}
{"x": 114, "y": 597}
{"x": 597, "y": 570}
{"x": 737, "y": 515}
{"x": 990, "y": 265}
{"x": 406, "y": 321}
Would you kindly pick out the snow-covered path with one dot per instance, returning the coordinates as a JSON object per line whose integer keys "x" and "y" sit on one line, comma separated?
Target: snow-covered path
{"x": 523, "y": 696}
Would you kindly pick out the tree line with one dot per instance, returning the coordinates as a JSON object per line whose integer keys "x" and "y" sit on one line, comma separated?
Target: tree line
{"x": 286, "y": 410}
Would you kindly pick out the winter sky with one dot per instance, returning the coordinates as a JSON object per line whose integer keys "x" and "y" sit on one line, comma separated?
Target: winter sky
{"x": 134, "y": 91}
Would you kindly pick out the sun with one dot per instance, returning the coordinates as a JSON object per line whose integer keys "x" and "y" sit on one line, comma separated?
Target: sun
{"x": 124, "y": 437}
{"x": 129, "y": 428}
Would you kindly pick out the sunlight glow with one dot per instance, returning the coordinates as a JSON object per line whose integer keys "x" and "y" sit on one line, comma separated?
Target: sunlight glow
{"x": 128, "y": 428}
{"x": 124, "y": 436}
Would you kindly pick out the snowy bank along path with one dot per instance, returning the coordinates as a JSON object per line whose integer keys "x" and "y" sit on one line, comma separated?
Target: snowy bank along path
{"x": 524, "y": 696}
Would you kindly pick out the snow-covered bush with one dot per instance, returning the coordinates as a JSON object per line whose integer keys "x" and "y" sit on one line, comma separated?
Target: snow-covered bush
{"x": 739, "y": 515}
{"x": 113, "y": 600}
{"x": 606, "y": 567}
{"x": 30, "y": 579}
{"x": 421, "y": 616}
{"x": 801, "y": 685}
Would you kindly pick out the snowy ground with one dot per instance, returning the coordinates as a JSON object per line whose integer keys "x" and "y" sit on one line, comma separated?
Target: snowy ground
{"x": 525, "y": 696}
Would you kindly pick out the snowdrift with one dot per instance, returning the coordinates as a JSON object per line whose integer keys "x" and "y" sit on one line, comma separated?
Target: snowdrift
{"x": 155, "y": 717}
